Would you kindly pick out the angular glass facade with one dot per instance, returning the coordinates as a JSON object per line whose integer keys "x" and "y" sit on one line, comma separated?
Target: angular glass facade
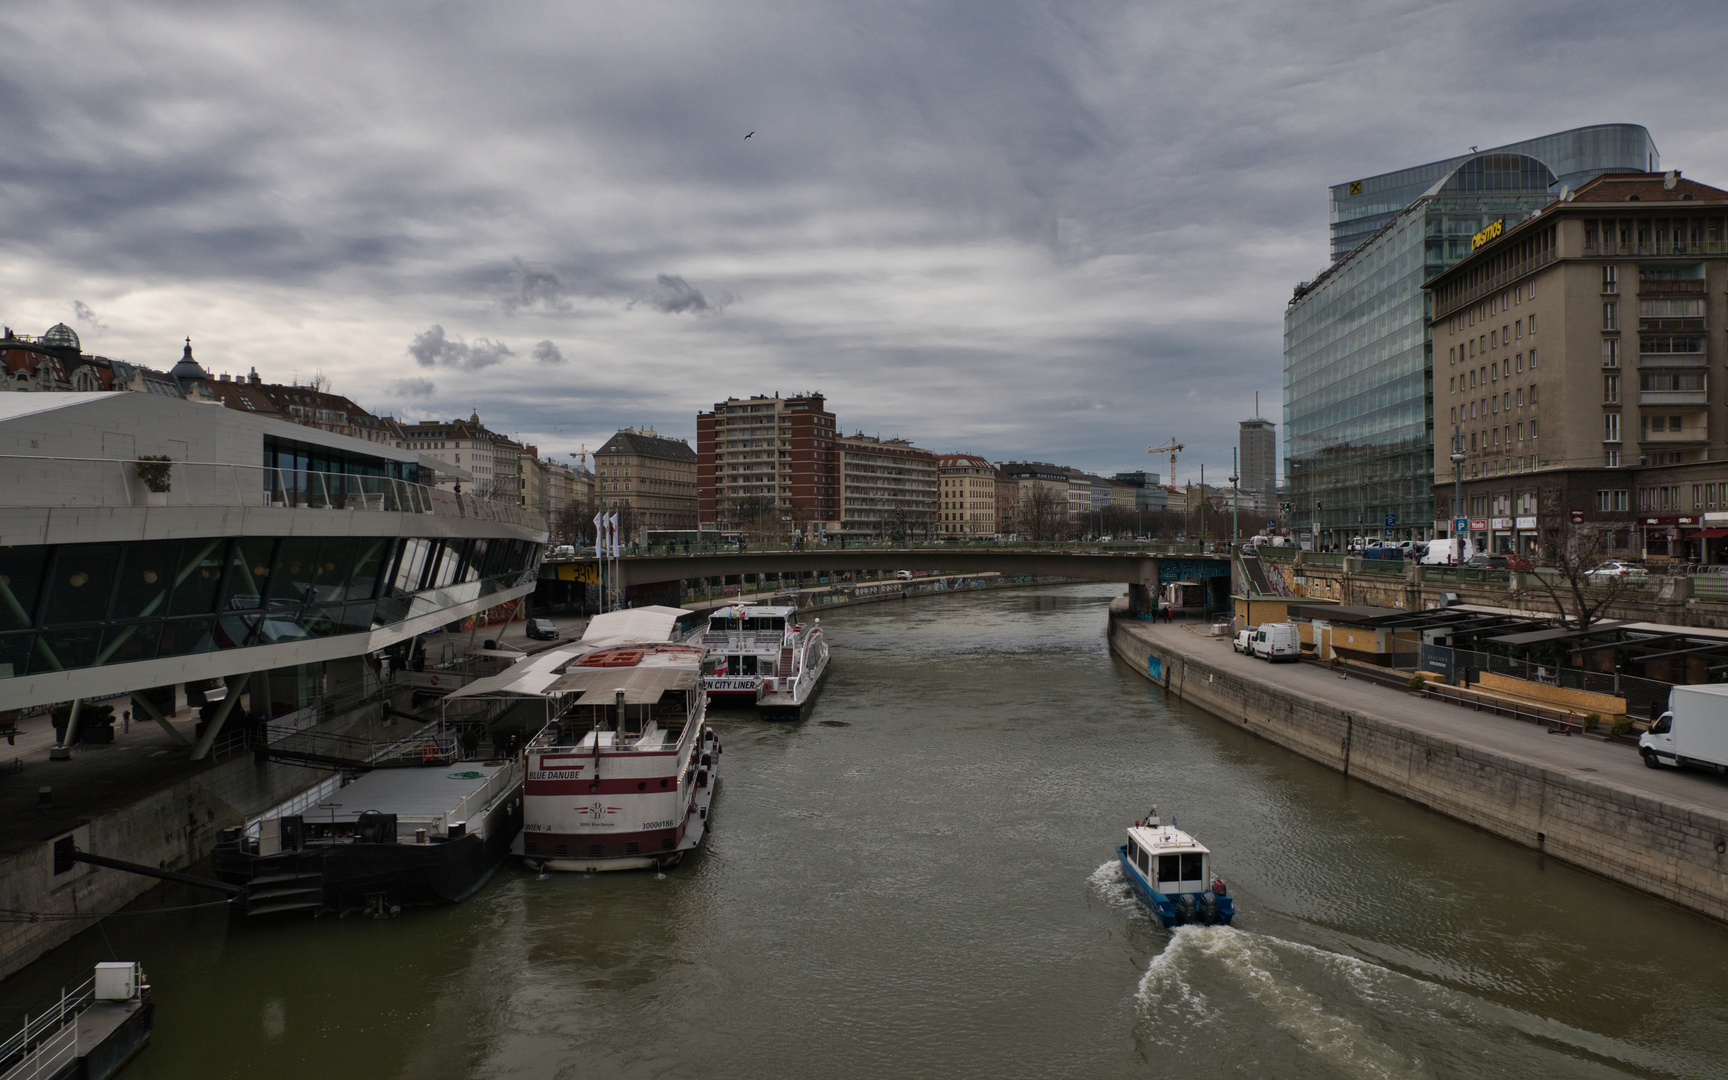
{"x": 1360, "y": 208}
{"x": 1358, "y": 394}
{"x": 70, "y": 606}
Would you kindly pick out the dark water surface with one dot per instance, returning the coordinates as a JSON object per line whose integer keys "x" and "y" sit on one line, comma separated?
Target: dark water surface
{"x": 918, "y": 881}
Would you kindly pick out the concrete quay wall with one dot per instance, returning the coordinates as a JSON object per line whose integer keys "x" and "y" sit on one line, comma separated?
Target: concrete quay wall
{"x": 1651, "y": 844}
{"x": 172, "y": 829}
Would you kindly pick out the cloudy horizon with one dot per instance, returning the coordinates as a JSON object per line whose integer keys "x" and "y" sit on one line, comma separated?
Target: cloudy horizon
{"x": 1028, "y": 231}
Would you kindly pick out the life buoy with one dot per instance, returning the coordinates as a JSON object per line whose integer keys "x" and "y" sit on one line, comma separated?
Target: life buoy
{"x": 434, "y": 680}
{"x": 428, "y": 752}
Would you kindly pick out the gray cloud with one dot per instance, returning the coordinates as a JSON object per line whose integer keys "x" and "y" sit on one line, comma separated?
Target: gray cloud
{"x": 411, "y": 388}
{"x": 432, "y": 348}
{"x": 548, "y": 353}
{"x": 672, "y": 295}
{"x": 535, "y": 287}
{"x": 85, "y": 316}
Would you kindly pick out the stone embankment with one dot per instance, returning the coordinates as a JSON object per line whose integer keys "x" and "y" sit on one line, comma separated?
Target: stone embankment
{"x": 1585, "y": 802}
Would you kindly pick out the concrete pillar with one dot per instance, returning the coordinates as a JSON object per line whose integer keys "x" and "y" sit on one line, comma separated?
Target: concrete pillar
{"x": 143, "y": 705}
{"x": 201, "y": 749}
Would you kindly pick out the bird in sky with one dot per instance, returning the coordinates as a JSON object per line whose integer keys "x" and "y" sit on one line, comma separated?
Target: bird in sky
{"x": 752, "y": 133}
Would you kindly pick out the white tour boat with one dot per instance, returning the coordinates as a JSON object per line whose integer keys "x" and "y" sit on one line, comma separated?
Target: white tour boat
{"x": 624, "y": 777}
{"x": 760, "y": 654}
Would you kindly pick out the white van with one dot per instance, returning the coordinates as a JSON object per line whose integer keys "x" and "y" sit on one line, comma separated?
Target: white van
{"x": 1275, "y": 641}
{"x": 1446, "y": 552}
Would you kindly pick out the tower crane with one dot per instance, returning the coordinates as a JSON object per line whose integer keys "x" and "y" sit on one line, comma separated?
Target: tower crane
{"x": 1168, "y": 448}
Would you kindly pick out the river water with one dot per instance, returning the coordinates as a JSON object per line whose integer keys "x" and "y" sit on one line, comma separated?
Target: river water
{"x": 918, "y": 881}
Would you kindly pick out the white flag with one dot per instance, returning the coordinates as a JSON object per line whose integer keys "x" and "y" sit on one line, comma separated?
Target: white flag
{"x": 612, "y": 524}
{"x": 600, "y": 533}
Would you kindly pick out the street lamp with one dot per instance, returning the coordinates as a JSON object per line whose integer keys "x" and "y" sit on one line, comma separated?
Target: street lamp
{"x": 1457, "y": 458}
{"x": 1235, "y": 497}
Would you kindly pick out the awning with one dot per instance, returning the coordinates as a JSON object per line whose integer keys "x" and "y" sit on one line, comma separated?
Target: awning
{"x": 641, "y": 685}
{"x": 652, "y": 623}
{"x": 1705, "y": 534}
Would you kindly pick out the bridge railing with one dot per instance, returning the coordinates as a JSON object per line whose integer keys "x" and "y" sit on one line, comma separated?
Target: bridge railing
{"x": 754, "y": 546}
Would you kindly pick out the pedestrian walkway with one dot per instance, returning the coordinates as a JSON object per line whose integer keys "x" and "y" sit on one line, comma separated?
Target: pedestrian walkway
{"x": 1606, "y": 762}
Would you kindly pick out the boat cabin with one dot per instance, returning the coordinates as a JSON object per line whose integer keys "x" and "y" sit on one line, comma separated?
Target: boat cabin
{"x": 1171, "y": 860}
{"x": 639, "y": 696}
{"x": 753, "y": 619}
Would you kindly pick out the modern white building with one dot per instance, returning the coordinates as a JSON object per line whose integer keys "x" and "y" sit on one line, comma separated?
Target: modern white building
{"x": 148, "y": 541}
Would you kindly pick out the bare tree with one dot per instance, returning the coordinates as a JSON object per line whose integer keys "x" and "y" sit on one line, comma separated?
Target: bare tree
{"x": 756, "y": 517}
{"x": 1043, "y": 514}
{"x": 1570, "y": 551}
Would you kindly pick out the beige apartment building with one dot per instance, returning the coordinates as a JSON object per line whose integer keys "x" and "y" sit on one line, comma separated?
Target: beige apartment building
{"x": 1573, "y": 363}
{"x": 654, "y": 477}
{"x": 967, "y": 492}
{"x": 888, "y": 488}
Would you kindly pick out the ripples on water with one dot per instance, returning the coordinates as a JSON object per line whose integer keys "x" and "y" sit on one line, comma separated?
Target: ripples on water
{"x": 917, "y": 881}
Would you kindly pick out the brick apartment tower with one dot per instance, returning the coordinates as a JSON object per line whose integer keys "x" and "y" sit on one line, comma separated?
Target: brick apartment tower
{"x": 777, "y": 449}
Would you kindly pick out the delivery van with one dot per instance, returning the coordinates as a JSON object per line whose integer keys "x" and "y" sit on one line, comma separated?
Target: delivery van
{"x": 1275, "y": 641}
{"x": 1446, "y": 552}
{"x": 1694, "y": 730}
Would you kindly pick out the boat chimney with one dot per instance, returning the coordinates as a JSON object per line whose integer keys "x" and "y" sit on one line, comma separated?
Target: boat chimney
{"x": 620, "y": 700}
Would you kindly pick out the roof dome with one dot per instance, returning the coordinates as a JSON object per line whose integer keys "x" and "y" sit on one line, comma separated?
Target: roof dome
{"x": 61, "y": 336}
{"x": 187, "y": 368}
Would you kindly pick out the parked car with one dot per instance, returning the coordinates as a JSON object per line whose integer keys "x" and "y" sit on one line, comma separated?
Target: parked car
{"x": 1241, "y": 641}
{"x": 542, "y": 630}
{"x": 1615, "y": 568}
{"x": 1486, "y": 561}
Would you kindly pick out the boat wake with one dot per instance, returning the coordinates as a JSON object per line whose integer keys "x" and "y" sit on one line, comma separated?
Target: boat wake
{"x": 1109, "y": 884}
{"x": 1221, "y": 991}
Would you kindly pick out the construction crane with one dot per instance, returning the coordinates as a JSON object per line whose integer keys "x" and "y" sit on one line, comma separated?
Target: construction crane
{"x": 1168, "y": 448}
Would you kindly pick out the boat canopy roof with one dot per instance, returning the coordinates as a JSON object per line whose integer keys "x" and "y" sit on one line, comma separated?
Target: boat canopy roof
{"x": 1162, "y": 839}
{"x": 642, "y": 684}
{"x": 653, "y": 623}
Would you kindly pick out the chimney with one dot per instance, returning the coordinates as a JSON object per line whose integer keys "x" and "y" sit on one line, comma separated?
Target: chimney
{"x": 254, "y": 379}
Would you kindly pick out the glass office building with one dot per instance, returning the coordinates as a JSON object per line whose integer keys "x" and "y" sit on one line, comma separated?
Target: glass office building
{"x": 1360, "y": 208}
{"x": 1358, "y": 393}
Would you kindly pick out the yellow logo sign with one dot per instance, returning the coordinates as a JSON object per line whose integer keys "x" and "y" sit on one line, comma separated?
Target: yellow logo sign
{"x": 1487, "y": 234}
{"x": 1355, "y": 187}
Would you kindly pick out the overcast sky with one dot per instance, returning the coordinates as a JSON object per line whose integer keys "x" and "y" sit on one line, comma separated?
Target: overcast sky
{"x": 1057, "y": 231}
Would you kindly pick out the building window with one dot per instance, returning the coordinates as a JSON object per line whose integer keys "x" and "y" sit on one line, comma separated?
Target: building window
{"x": 1611, "y": 458}
{"x": 1532, "y": 359}
{"x": 1610, "y": 315}
{"x": 1611, "y": 389}
{"x": 1610, "y": 276}
{"x": 1520, "y": 432}
{"x": 1610, "y": 352}
{"x": 1610, "y": 427}
{"x": 1532, "y": 326}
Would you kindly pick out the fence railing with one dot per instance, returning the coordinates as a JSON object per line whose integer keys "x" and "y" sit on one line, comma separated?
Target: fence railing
{"x": 47, "y": 1041}
{"x": 29, "y": 481}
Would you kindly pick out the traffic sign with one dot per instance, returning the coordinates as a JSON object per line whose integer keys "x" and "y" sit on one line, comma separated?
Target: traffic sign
{"x": 1460, "y": 525}
{"x": 1272, "y": 524}
{"x": 1391, "y": 520}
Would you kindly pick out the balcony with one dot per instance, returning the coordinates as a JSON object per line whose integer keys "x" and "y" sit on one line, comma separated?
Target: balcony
{"x": 1672, "y": 360}
{"x": 1690, "y": 432}
{"x": 1670, "y": 286}
{"x": 1694, "y": 399}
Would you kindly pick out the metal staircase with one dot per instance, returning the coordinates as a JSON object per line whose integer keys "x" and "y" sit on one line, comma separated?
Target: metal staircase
{"x": 297, "y": 886}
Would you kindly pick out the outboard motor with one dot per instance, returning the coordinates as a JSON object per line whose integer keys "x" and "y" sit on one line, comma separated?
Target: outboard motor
{"x": 1185, "y": 908}
{"x": 1208, "y": 908}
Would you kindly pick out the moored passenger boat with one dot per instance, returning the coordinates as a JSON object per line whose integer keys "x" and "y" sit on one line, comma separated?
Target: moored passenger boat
{"x": 624, "y": 778}
{"x": 1170, "y": 873}
{"x": 762, "y": 655}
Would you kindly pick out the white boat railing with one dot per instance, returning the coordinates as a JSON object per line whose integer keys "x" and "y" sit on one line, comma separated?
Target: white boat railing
{"x": 48, "y": 1041}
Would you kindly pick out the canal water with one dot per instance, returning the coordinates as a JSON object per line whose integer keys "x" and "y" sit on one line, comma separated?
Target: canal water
{"x": 918, "y": 881}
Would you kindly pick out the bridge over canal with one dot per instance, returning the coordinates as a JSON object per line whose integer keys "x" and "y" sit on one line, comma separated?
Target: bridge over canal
{"x": 657, "y": 574}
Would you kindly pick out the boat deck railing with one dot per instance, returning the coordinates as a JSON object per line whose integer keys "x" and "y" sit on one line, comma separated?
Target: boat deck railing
{"x": 48, "y": 1039}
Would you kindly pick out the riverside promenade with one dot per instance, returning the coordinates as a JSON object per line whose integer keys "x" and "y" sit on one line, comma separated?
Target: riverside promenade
{"x": 1585, "y": 801}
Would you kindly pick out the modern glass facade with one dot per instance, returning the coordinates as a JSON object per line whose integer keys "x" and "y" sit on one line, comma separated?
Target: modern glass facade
{"x": 70, "y": 606}
{"x": 1358, "y": 395}
{"x": 1360, "y": 208}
